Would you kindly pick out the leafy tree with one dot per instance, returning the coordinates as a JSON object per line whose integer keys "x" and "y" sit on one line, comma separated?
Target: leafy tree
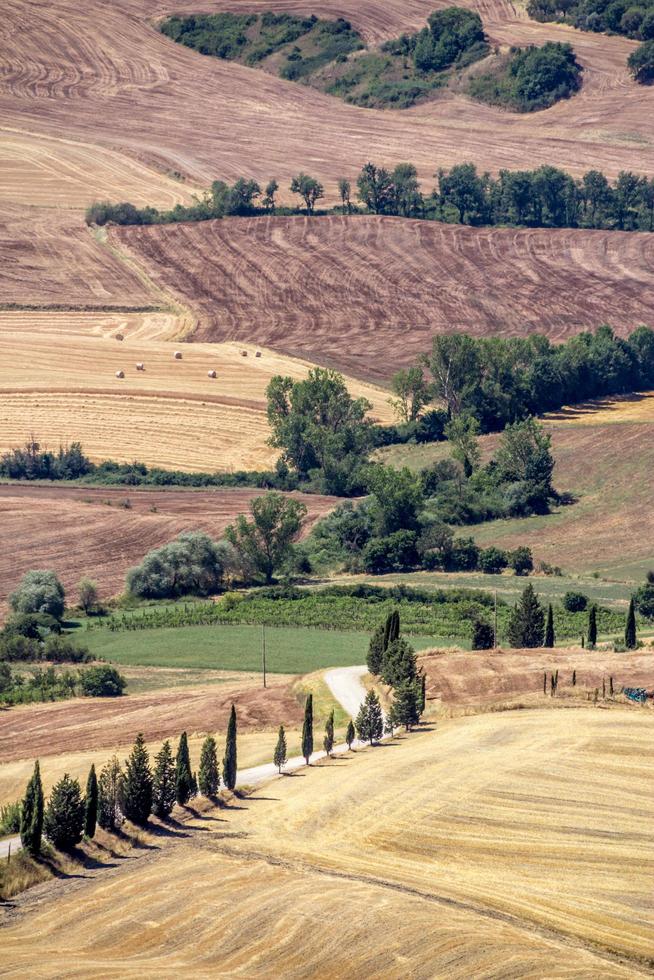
{"x": 407, "y": 199}
{"x": 229, "y": 760}
{"x": 641, "y": 63}
{"x": 309, "y": 189}
{"x": 91, "y": 804}
{"x": 464, "y": 190}
{"x": 412, "y": 393}
{"x": 462, "y": 432}
{"x": 88, "y": 595}
{"x": 183, "y": 773}
{"x": 164, "y": 783}
{"x": 524, "y": 456}
{"x": 527, "y": 621}
{"x": 137, "y": 787}
{"x": 397, "y": 499}
{"x": 39, "y": 592}
{"x": 349, "y": 735}
{"x": 240, "y": 198}
{"x": 405, "y": 705}
{"x": 110, "y": 795}
{"x": 630, "y": 637}
{"x": 393, "y": 553}
{"x": 592, "y": 626}
{"x": 483, "y": 635}
{"x": 266, "y": 542}
{"x": 345, "y": 190}
{"x": 63, "y": 822}
{"x": 269, "y": 195}
{"x": 192, "y": 564}
{"x": 492, "y": 560}
{"x": 644, "y": 600}
{"x": 102, "y": 681}
{"x": 370, "y": 720}
{"x": 328, "y": 741}
{"x": 521, "y": 560}
{"x": 31, "y": 814}
{"x": 375, "y": 188}
{"x": 209, "y": 776}
{"x": 279, "y": 758}
{"x": 307, "y": 729}
{"x": 549, "y": 628}
{"x": 575, "y": 601}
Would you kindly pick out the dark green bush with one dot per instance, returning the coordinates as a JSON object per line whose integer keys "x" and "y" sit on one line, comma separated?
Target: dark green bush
{"x": 102, "y": 682}
{"x": 575, "y": 601}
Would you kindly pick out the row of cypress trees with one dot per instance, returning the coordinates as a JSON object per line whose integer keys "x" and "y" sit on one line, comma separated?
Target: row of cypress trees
{"x": 133, "y": 794}
{"x": 529, "y": 627}
{"x": 394, "y": 660}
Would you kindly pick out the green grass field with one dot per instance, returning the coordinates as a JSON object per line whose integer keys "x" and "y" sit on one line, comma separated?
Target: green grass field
{"x": 288, "y": 650}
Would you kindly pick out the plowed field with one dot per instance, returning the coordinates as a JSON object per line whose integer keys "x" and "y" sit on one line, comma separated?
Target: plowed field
{"x": 368, "y": 293}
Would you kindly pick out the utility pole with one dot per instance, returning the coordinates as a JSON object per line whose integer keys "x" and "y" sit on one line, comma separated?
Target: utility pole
{"x": 495, "y": 622}
{"x": 263, "y": 652}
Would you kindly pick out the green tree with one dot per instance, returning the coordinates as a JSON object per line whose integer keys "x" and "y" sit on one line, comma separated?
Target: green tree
{"x": 31, "y": 816}
{"x": 87, "y": 590}
{"x": 630, "y": 636}
{"x": 209, "y": 776}
{"x": 641, "y": 63}
{"x": 412, "y": 393}
{"x": 349, "y": 735}
{"x": 103, "y": 681}
{"x": 328, "y": 741}
{"x": 269, "y": 195}
{"x": 344, "y": 191}
{"x": 91, "y": 804}
{"x": 375, "y": 189}
{"x": 464, "y": 190}
{"x": 183, "y": 773}
{"x": 592, "y": 626}
{"x": 405, "y": 705}
{"x": 407, "y": 199}
{"x": 524, "y": 456}
{"x": 309, "y": 189}
{"x": 279, "y": 758}
{"x": 266, "y": 542}
{"x": 455, "y": 364}
{"x": 164, "y": 783}
{"x": 137, "y": 789}
{"x": 307, "y": 729}
{"x": 422, "y": 692}
{"x": 483, "y": 635}
{"x": 399, "y": 663}
{"x": 192, "y": 564}
{"x": 370, "y": 720}
{"x": 527, "y": 621}
{"x": 549, "y": 628}
{"x": 462, "y": 432}
{"x": 39, "y": 592}
{"x": 110, "y": 795}
{"x": 375, "y": 656}
{"x": 63, "y": 821}
{"x": 229, "y": 760}
{"x": 396, "y": 499}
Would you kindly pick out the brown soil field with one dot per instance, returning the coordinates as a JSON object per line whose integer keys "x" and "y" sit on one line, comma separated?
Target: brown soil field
{"x": 49, "y": 257}
{"x": 488, "y": 848}
{"x": 89, "y": 531}
{"x": 52, "y": 171}
{"x": 61, "y": 384}
{"x": 101, "y": 73}
{"x": 367, "y": 294}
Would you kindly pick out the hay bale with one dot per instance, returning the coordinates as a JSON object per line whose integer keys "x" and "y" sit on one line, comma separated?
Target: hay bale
{"x": 244, "y": 353}
{"x": 211, "y": 374}
{"x": 258, "y": 354}
{"x": 120, "y": 374}
{"x": 140, "y": 366}
{"x": 177, "y": 355}
{"x": 119, "y": 336}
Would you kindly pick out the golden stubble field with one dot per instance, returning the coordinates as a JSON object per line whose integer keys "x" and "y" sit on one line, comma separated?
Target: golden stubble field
{"x": 504, "y": 845}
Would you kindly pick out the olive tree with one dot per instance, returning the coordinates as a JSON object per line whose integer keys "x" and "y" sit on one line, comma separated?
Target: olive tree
{"x": 39, "y": 592}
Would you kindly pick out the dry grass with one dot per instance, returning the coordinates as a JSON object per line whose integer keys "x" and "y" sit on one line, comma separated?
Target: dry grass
{"x": 368, "y": 293}
{"x": 490, "y": 847}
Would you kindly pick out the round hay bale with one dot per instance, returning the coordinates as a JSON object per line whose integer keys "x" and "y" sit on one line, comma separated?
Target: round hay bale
{"x": 258, "y": 354}
{"x": 177, "y": 355}
{"x": 211, "y": 374}
{"x": 120, "y": 374}
{"x": 244, "y": 353}
{"x": 140, "y": 366}
{"x": 119, "y": 336}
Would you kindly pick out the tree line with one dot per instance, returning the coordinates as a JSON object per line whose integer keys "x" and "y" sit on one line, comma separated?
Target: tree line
{"x": 546, "y": 197}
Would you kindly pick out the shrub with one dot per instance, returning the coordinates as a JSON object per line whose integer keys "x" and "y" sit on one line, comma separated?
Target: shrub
{"x": 102, "y": 682}
{"x": 10, "y": 818}
{"x": 39, "y": 592}
{"x": 575, "y": 601}
{"x": 644, "y": 600}
{"x": 521, "y": 560}
{"x": 17, "y": 647}
{"x": 492, "y": 560}
{"x": 192, "y": 564}
{"x": 393, "y": 553}
{"x": 61, "y": 650}
{"x": 483, "y": 635}
{"x": 641, "y": 63}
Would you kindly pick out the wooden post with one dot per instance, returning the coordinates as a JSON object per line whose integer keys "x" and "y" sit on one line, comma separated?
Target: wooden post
{"x": 544, "y": 682}
{"x": 611, "y": 686}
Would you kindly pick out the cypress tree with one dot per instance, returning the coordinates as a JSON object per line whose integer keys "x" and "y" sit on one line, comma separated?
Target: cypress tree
{"x": 63, "y": 821}
{"x": 164, "y": 784}
{"x": 370, "y": 720}
{"x": 209, "y": 776}
{"x": 31, "y": 815}
{"x": 350, "y": 734}
{"x": 592, "y": 626}
{"x": 630, "y": 638}
{"x": 183, "y": 774}
{"x": 307, "y": 730}
{"x": 328, "y": 741}
{"x": 229, "y": 761}
{"x": 399, "y": 663}
{"x": 527, "y": 621}
{"x": 91, "y": 804}
{"x": 279, "y": 758}
{"x": 549, "y": 628}
{"x": 137, "y": 789}
{"x": 376, "y": 650}
{"x": 110, "y": 795}
{"x": 405, "y": 706}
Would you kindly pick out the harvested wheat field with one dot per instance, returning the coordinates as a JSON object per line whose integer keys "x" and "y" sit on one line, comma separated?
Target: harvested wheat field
{"x": 169, "y": 414}
{"x": 368, "y": 293}
{"x": 101, "y": 532}
{"x": 486, "y": 848}
{"x": 102, "y": 73}
{"x": 49, "y": 258}
{"x": 63, "y": 173}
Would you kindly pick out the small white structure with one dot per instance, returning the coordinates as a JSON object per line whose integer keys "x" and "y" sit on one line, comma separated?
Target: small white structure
{"x": 140, "y": 366}
{"x": 120, "y": 374}
{"x": 211, "y": 374}
{"x": 177, "y": 355}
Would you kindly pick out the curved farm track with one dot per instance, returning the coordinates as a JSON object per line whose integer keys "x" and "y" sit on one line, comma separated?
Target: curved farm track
{"x": 367, "y": 293}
